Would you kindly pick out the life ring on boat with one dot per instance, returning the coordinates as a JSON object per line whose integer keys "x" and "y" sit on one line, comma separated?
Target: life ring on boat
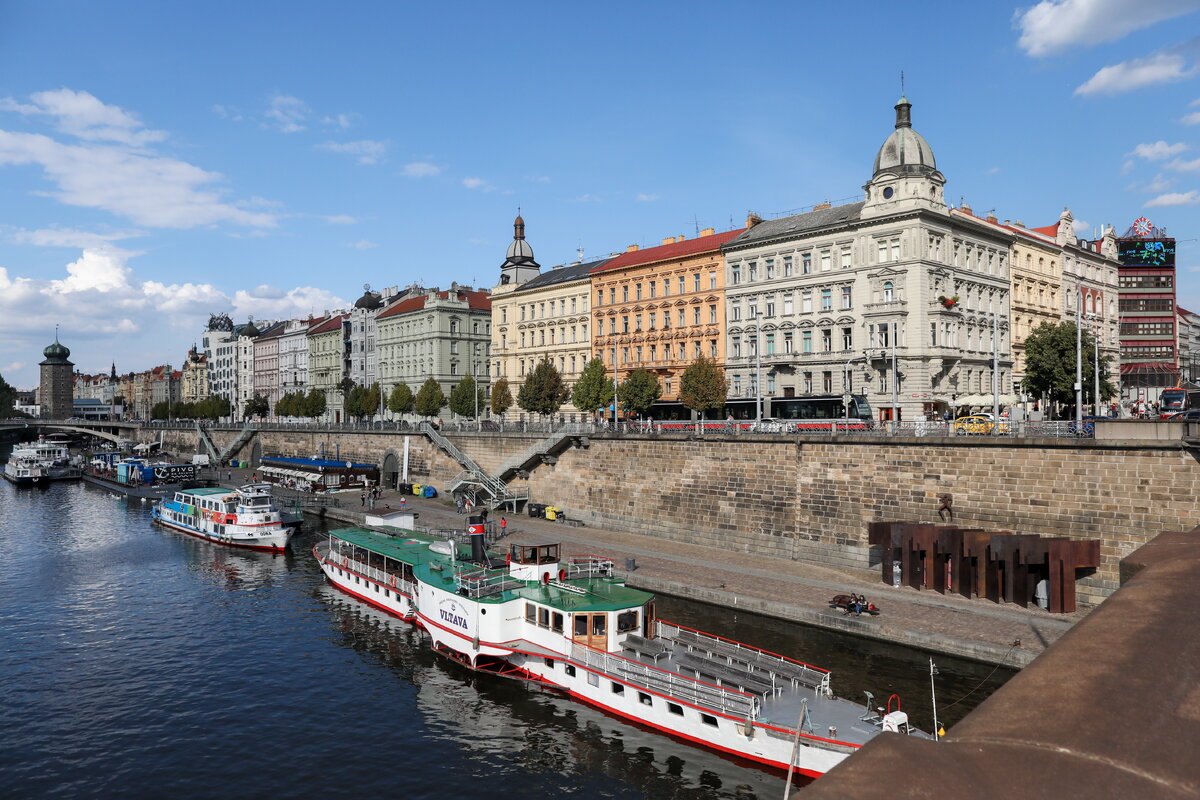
{"x": 343, "y": 561}
{"x": 562, "y": 575}
{"x": 895, "y": 697}
{"x": 545, "y": 579}
{"x": 392, "y": 582}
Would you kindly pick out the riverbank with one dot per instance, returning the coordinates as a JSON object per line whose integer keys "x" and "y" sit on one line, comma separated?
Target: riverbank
{"x": 774, "y": 587}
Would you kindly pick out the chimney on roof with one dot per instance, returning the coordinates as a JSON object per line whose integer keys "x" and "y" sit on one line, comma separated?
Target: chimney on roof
{"x": 708, "y": 232}
{"x": 752, "y": 219}
{"x": 991, "y": 217}
{"x": 823, "y": 206}
{"x": 1019, "y": 224}
{"x": 631, "y": 248}
{"x": 669, "y": 240}
{"x": 966, "y": 209}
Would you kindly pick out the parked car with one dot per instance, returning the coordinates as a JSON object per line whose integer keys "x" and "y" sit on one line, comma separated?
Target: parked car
{"x": 979, "y": 425}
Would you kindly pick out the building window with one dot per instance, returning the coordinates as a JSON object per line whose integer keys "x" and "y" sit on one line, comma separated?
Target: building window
{"x": 712, "y": 315}
{"x": 770, "y": 344}
{"x": 638, "y": 291}
{"x": 887, "y": 292}
{"x": 845, "y": 258}
{"x": 827, "y": 382}
{"x": 735, "y": 275}
{"x": 735, "y": 345}
{"x": 806, "y": 302}
{"x": 807, "y": 345}
{"x": 827, "y": 340}
{"x": 712, "y": 280}
{"x": 453, "y": 367}
{"x": 695, "y": 315}
{"x": 682, "y": 284}
{"x": 847, "y": 338}
{"x": 666, "y": 287}
{"x": 787, "y": 342}
{"x": 826, "y": 299}
{"x": 770, "y": 266}
{"x": 770, "y": 307}
{"x": 735, "y": 313}
{"x": 653, "y": 289}
{"x": 612, "y": 295}
{"x": 625, "y": 294}
{"x": 825, "y": 261}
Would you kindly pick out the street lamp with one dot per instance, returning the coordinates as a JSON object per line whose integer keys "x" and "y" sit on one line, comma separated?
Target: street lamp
{"x": 1079, "y": 358}
{"x": 758, "y": 395}
{"x": 475, "y": 388}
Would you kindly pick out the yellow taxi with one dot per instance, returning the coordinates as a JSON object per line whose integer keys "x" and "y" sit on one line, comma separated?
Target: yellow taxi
{"x": 979, "y": 425}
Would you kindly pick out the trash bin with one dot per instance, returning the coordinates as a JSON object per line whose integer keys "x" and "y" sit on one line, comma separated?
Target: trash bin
{"x": 404, "y": 488}
{"x": 428, "y": 491}
{"x": 536, "y": 509}
{"x": 416, "y": 489}
{"x": 552, "y": 512}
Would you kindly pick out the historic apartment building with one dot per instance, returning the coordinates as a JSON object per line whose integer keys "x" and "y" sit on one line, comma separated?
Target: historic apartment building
{"x": 661, "y": 307}
{"x": 1149, "y": 334}
{"x": 265, "y": 367}
{"x": 444, "y": 335}
{"x": 327, "y": 363}
{"x": 842, "y": 293}
{"x": 245, "y": 344}
{"x": 293, "y": 356}
{"x": 538, "y": 315}
{"x": 194, "y": 377}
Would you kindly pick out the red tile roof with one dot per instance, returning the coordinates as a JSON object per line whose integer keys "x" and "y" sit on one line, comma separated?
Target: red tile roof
{"x": 479, "y": 301}
{"x": 1048, "y": 230}
{"x": 332, "y": 324}
{"x": 688, "y": 247}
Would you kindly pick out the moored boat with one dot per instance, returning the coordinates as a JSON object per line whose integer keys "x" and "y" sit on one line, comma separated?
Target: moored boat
{"x": 244, "y": 517}
{"x": 570, "y": 625}
{"x": 41, "y": 462}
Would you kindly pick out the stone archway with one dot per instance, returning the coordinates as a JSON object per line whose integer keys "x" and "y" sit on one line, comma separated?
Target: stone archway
{"x": 389, "y": 471}
{"x": 256, "y": 453}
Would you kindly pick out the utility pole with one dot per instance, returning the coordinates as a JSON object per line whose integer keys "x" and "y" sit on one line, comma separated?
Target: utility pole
{"x": 1096, "y": 368}
{"x": 1079, "y": 359}
{"x": 758, "y": 395}
{"x": 995, "y": 371}
{"x": 895, "y": 376}
{"x": 616, "y": 383}
{"x": 475, "y": 388}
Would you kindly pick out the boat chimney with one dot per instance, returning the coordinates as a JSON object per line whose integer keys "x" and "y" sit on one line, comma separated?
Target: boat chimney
{"x": 475, "y": 529}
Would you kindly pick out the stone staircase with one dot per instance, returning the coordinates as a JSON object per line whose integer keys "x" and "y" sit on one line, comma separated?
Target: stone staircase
{"x": 473, "y": 475}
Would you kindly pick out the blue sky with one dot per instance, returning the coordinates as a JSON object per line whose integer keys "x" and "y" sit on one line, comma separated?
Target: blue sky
{"x": 161, "y": 161}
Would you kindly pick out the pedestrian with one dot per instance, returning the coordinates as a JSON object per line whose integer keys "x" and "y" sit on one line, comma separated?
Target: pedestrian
{"x": 503, "y": 526}
{"x": 483, "y": 513}
{"x": 403, "y": 502}
{"x": 362, "y": 499}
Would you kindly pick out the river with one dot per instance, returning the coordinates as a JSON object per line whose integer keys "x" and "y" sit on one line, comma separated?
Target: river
{"x": 140, "y": 662}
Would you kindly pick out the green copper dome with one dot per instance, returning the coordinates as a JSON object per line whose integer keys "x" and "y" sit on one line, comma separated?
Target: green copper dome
{"x": 56, "y": 353}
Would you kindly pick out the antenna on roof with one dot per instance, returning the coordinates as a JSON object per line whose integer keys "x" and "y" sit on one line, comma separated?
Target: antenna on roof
{"x": 696, "y": 220}
{"x": 901, "y": 83}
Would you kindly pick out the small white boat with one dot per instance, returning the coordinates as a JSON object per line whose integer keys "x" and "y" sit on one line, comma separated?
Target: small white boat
{"x": 244, "y": 517}
{"x": 40, "y": 463}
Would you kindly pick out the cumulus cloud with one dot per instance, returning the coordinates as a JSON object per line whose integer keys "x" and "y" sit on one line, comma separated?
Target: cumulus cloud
{"x": 1158, "y": 151}
{"x": 1179, "y": 165}
{"x": 362, "y": 244}
{"x": 642, "y": 197}
{"x": 1191, "y": 119}
{"x": 587, "y": 197}
{"x": 421, "y": 169}
{"x": 287, "y": 113}
{"x": 82, "y": 115}
{"x": 1175, "y": 199}
{"x": 478, "y": 183}
{"x": 1163, "y": 67}
{"x": 365, "y": 151}
{"x": 291, "y": 304}
{"x": 340, "y": 219}
{"x": 151, "y": 190}
{"x": 1053, "y": 26}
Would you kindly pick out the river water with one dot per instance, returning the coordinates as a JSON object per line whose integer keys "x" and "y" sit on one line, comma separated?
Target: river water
{"x": 138, "y": 662}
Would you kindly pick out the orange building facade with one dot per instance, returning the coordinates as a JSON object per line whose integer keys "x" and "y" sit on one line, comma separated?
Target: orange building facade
{"x": 661, "y": 308}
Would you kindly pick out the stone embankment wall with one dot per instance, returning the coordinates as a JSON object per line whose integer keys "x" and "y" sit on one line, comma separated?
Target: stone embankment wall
{"x": 811, "y": 499}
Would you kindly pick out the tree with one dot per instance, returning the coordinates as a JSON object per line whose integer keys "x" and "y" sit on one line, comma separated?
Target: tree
{"x": 594, "y": 389}
{"x": 543, "y": 392}
{"x": 257, "y": 406}
{"x": 354, "y": 401}
{"x": 8, "y": 399}
{"x": 370, "y": 404}
{"x": 160, "y": 410}
{"x": 465, "y": 398}
{"x": 703, "y": 387}
{"x": 185, "y": 410}
{"x": 502, "y": 398}
{"x": 401, "y": 399}
{"x": 1050, "y": 364}
{"x": 639, "y": 391}
{"x": 290, "y": 405}
{"x": 314, "y": 404}
{"x": 430, "y": 399}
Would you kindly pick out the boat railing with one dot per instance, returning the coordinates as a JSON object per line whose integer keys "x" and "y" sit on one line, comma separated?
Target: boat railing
{"x": 380, "y": 576}
{"x": 780, "y": 667}
{"x": 589, "y": 567}
{"x": 479, "y": 582}
{"x": 679, "y": 687}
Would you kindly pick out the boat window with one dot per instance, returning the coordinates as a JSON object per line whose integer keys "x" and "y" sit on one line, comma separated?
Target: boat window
{"x": 387, "y": 592}
{"x": 570, "y": 670}
{"x": 581, "y": 624}
{"x": 548, "y": 554}
{"x": 549, "y": 662}
{"x": 675, "y": 708}
{"x": 645, "y": 699}
{"x": 599, "y": 625}
{"x": 627, "y": 621}
{"x": 593, "y": 679}
{"x": 618, "y": 688}
{"x": 530, "y": 613}
{"x": 556, "y": 622}
{"x": 708, "y": 719}
{"x": 543, "y": 618}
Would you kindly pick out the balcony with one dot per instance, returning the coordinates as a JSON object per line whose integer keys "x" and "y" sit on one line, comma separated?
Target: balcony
{"x": 891, "y": 307}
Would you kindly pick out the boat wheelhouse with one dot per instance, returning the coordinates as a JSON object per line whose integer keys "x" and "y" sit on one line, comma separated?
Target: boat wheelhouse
{"x": 571, "y": 625}
{"x": 41, "y": 462}
{"x": 244, "y": 517}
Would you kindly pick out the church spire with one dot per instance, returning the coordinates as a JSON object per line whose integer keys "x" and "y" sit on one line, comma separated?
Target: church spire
{"x": 903, "y": 113}
{"x": 518, "y": 226}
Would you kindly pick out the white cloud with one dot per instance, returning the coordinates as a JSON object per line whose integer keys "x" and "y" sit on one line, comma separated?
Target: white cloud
{"x": 1053, "y": 26}
{"x": 421, "y": 169}
{"x": 338, "y": 121}
{"x": 1175, "y": 199}
{"x": 991, "y": 171}
{"x": 1179, "y": 165}
{"x": 227, "y": 112}
{"x": 1160, "y": 183}
{"x": 642, "y": 197}
{"x": 1191, "y": 119}
{"x": 366, "y": 151}
{"x": 1158, "y": 151}
{"x": 478, "y": 183}
{"x": 1163, "y": 67}
{"x": 70, "y": 237}
{"x": 81, "y": 115}
{"x": 150, "y": 190}
{"x": 340, "y": 219}
{"x": 362, "y": 244}
{"x": 287, "y": 113}
{"x": 290, "y": 304}
{"x": 13, "y": 366}
{"x": 587, "y": 197}
{"x": 538, "y": 178}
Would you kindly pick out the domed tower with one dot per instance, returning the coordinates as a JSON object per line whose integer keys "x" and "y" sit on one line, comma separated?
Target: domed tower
{"x": 519, "y": 265}
{"x": 370, "y": 301}
{"x": 906, "y": 175}
{"x": 56, "y": 391}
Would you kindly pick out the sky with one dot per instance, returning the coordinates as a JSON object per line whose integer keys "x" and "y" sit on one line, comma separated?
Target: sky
{"x": 163, "y": 161}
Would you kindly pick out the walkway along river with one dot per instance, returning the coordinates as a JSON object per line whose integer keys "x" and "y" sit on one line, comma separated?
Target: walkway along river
{"x": 138, "y": 661}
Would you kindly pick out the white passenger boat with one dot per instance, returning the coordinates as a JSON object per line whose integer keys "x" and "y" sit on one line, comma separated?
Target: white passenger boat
{"x": 41, "y": 462}
{"x": 568, "y": 624}
{"x": 244, "y": 517}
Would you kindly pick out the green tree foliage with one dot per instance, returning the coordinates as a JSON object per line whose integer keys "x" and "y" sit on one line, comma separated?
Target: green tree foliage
{"x": 8, "y": 399}
{"x": 543, "y": 392}
{"x": 401, "y": 399}
{"x": 703, "y": 386}
{"x": 370, "y": 405}
{"x": 594, "y": 389}
{"x": 502, "y": 398}
{"x": 639, "y": 391}
{"x": 355, "y": 401}
{"x": 464, "y": 396}
{"x": 257, "y": 406}
{"x": 290, "y": 405}
{"x": 1050, "y": 365}
{"x": 314, "y": 404}
{"x": 161, "y": 410}
{"x": 430, "y": 399}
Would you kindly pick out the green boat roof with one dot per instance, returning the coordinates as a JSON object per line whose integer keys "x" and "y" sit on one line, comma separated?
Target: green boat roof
{"x": 204, "y": 492}
{"x": 436, "y": 569}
